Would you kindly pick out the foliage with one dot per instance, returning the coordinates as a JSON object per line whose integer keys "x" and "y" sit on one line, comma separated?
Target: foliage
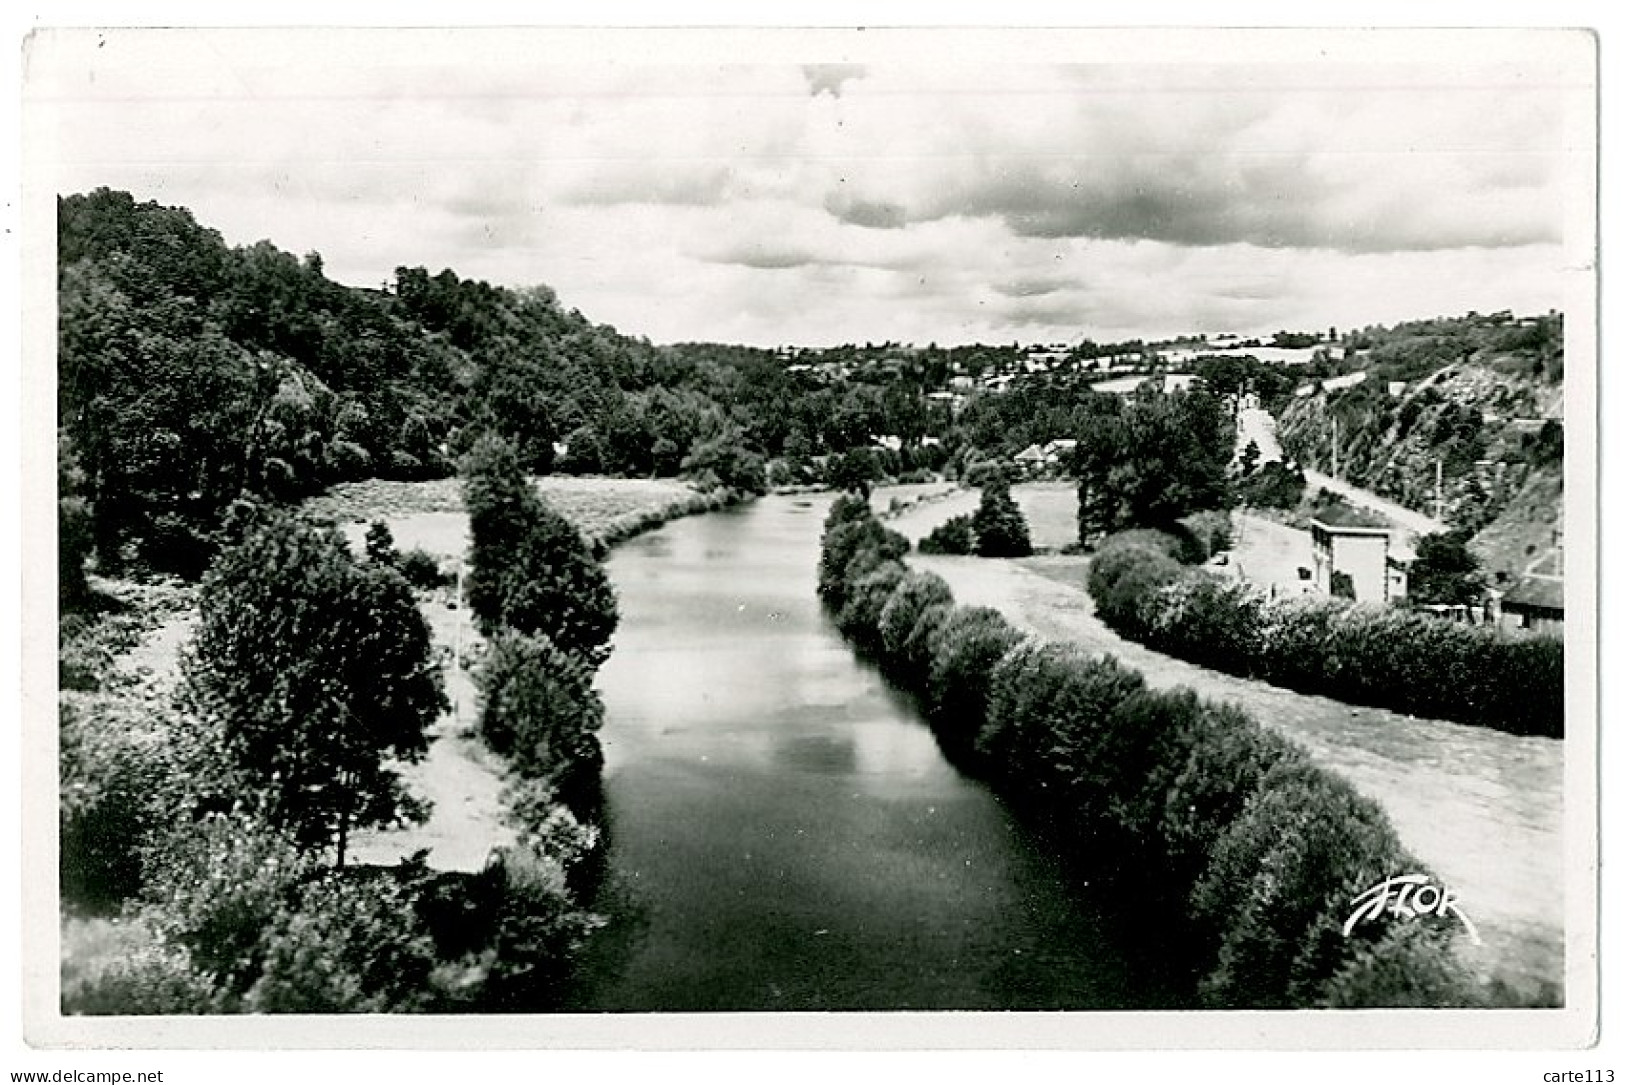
{"x": 999, "y": 526}
{"x": 964, "y": 649}
{"x": 529, "y": 569}
{"x": 1151, "y": 460}
{"x": 902, "y": 610}
{"x": 321, "y": 673}
{"x": 538, "y": 709}
{"x": 537, "y": 930}
{"x": 74, "y": 525}
{"x": 1402, "y": 660}
{"x": 112, "y": 775}
{"x": 852, "y": 471}
{"x": 1193, "y": 807}
{"x": 380, "y": 544}
{"x": 866, "y": 599}
{"x": 1276, "y": 485}
{"x": 724, "y": 460}
{"x": 953, "y": 536}
{"x": 844, "y": 544}
{"x": 421, "y": 569}
{"x": 1445, "y": 571}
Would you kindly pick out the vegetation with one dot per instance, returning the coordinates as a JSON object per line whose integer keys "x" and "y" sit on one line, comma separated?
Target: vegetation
{"x": 1190, "y": 806}
{"x": 539, "y": 710}
{"x": 954, "y": 535}
{"x": 320, "y": 672}
{"x": 999, "y": 526}
{"x": 529, "y": 569}
{"x": 1445, "y": 571}
{"x": 1152, "y": 460}
{"x": 1333, "y": 647}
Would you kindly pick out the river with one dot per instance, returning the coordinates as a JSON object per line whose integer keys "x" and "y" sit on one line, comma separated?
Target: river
{"x": 783, "y": 832}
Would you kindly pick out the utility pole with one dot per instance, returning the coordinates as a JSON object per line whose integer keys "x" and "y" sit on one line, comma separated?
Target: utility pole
{"x": 1438, "y": 489}
{"x": 1334, "y": 446}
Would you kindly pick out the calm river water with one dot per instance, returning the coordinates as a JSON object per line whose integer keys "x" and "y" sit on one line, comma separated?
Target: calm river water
{"x": 784, "y": 833}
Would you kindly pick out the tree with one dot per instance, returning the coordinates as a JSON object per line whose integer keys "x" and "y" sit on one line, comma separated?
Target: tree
{"x": 1000, "y": 527}
{"x": 724, "y": 460}
{"x": 1445, "y": 571}
{"x": 853, "y": 471}
{"x": 529, "y": 568}
{"x": 321, "y": 673}
{"x": 1151, "y": 461}
{"x": 73, "y": 525}
{"x": 381, "y": 544}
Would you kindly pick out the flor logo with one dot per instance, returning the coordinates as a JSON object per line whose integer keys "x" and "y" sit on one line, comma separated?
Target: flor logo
{"x": 1408, "y": 896}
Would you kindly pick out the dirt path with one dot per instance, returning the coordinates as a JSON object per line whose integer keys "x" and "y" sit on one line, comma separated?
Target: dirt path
{"x": 1483, "y": 809}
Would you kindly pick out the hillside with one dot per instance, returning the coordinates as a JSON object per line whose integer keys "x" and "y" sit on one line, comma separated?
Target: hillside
{"x": 1482, "y": 431}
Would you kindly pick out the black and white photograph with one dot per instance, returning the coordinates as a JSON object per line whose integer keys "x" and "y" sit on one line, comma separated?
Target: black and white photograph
{"x": 926, "y": 538}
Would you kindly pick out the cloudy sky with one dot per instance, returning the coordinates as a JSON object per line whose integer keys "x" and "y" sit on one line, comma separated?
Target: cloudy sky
{"x": 835, "y": 188}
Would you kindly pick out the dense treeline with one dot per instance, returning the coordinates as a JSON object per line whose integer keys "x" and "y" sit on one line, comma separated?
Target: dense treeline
{"x": 192, "y": 373}
{"x": 1391, "y": 658}
{"x": 1253, "y": 852}
{"x": 547, "y": 609}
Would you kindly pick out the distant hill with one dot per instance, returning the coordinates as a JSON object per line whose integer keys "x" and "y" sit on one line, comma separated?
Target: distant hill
{"x": 1472, "y": 404}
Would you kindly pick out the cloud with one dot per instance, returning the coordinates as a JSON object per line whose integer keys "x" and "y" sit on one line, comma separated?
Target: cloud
{"x": 1215, "y": 157}
{"x": 877, "y": 214}
{"x": 777, "y": 202}
{"x": 829, "y": 78}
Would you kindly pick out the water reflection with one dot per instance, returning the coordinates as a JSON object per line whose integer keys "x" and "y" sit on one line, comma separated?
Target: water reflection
{"x": 786, "y": 834}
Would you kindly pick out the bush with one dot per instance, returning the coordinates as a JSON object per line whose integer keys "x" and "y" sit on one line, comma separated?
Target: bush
{"x": 964, "y": 650}
{"x": 380, "y": 543}
{"x": 846, "y": 542}
{"x": 866, "y": 598}
{"x": 1048, "y": 708}
{"x": 953, "y": 536}
{"x": 346, "y": 946}
{"x": 848, "y": 508}
{"x": 538, "y": 708}
{"x": 1212, "y": 532}
{"x": 902, "y": 611}
{"x": 538, "y": 931}
{"x": 112, "y": 774}
{"x": 1279, "y": 882}
{"x": 1122, "y": 576}
{"x": 140, "y": 974}
{"x": 1206, "y": 816}
{"x": 1401, "y": 660}
{"x": 422, "y": 570}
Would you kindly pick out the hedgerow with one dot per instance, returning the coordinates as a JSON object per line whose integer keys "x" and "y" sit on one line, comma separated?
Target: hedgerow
{"x": 1381, "y": 656}
{"x": 1230, "y": 827}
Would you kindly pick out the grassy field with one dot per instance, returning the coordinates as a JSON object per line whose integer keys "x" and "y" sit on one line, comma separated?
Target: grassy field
{"x": 607, "y": 509}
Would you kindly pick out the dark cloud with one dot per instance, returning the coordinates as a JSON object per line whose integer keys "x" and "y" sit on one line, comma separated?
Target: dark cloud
{"x": 763, "y": 256}
{"x": 874, "y": 214}
{"x": 828, "y": 78}
{"x": 1275, "y": 203}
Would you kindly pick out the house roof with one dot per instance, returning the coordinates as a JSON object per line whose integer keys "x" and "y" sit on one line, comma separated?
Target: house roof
{"x": 1540, "y": 592}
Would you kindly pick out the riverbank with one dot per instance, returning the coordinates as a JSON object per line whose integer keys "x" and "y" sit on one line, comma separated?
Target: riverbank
{"x": 133, "y": 649}
{"x": 1483, "y": 809}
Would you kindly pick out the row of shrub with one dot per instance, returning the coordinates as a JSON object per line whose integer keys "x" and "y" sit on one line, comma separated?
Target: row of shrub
{"x": 1382, "y": 656}
{"x": 1252, "y": 851}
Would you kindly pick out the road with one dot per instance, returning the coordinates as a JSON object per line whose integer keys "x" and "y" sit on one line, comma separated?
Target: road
{"x": 1258, "y": 426}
